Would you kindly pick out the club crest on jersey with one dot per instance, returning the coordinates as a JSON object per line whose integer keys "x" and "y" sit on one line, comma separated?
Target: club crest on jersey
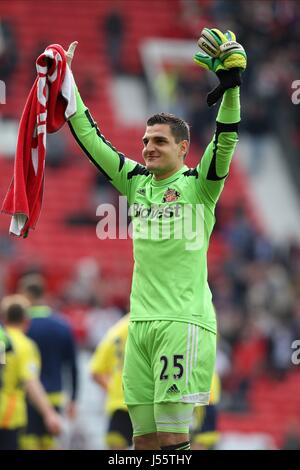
{"x": 171, "y": 195}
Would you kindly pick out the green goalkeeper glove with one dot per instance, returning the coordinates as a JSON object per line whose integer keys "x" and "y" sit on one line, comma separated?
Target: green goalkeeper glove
{"x": 209, "y": 43}
{"x": 224, "y": 56}
{"x": 224, "y": 46}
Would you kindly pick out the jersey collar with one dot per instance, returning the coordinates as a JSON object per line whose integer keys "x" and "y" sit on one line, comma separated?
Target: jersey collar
{"x": 39, "y": 311}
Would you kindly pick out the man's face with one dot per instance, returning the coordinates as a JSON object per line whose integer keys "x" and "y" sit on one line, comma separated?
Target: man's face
{"x": 162, "y": 155}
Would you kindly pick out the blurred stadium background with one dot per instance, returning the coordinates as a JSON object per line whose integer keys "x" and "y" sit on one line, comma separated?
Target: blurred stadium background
{"x": 135, "y": 57}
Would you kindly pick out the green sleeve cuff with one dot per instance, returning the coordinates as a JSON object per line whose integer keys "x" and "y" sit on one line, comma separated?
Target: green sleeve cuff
{"x": 230, "y": 109}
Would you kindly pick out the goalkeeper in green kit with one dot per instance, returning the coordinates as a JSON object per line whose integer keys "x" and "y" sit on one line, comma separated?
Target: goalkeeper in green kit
{"x": 171, "y": 346}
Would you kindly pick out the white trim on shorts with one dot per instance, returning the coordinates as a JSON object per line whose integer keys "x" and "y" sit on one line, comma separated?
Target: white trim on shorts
{"x": 191, "y": 362}
{"x": 201, "y": 397}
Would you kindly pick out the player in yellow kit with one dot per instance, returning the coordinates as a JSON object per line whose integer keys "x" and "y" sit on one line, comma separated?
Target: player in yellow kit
{"x": 205, "y": 434}
{"x": 106, "y": 368}
{"x": 20, "y": 376}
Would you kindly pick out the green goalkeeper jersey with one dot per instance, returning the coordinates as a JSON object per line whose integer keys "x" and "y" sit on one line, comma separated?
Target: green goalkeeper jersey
{"x": 172, "y": 219}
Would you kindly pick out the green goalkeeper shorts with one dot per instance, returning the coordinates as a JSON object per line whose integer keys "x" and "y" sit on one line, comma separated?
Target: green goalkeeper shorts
{"x": 168, "y": 361}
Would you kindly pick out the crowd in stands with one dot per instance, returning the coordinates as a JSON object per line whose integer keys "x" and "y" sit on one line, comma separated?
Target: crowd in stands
{"x": 270, "y": 32}
{"x": 257, "y": 297}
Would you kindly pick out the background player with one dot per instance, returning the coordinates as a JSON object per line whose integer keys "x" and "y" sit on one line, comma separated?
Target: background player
{"x": 205, "y": 434}
{"x": 56, "y": 344}
{"x": 20, "y": 375}
{"x": 106, "y": 368}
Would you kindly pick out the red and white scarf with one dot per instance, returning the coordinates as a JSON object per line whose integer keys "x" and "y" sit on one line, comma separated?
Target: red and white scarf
{"x": 50, "y": 103}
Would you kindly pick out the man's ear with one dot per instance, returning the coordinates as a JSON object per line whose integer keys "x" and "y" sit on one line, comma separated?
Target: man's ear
{"x": 184, "y": 147}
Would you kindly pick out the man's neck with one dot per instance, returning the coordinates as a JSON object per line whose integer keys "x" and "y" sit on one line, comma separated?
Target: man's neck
{"x": 167, "y": 175}
{"x": 19, "y": 327}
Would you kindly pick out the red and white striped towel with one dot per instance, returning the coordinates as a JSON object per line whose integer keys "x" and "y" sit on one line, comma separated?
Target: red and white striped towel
{"x": 50, "y": 103}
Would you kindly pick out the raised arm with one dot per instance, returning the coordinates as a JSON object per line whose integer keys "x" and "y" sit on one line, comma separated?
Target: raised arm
{"x": 221, "y": 54}
{"x": 113, "y": 164}
{"x": 215, "y": 163}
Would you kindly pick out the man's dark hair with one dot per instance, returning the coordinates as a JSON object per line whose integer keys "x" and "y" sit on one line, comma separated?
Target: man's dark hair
{"x": 32, "y": 285}
{"x": 179, "y": 128}
{"x": 13, "y": 309}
